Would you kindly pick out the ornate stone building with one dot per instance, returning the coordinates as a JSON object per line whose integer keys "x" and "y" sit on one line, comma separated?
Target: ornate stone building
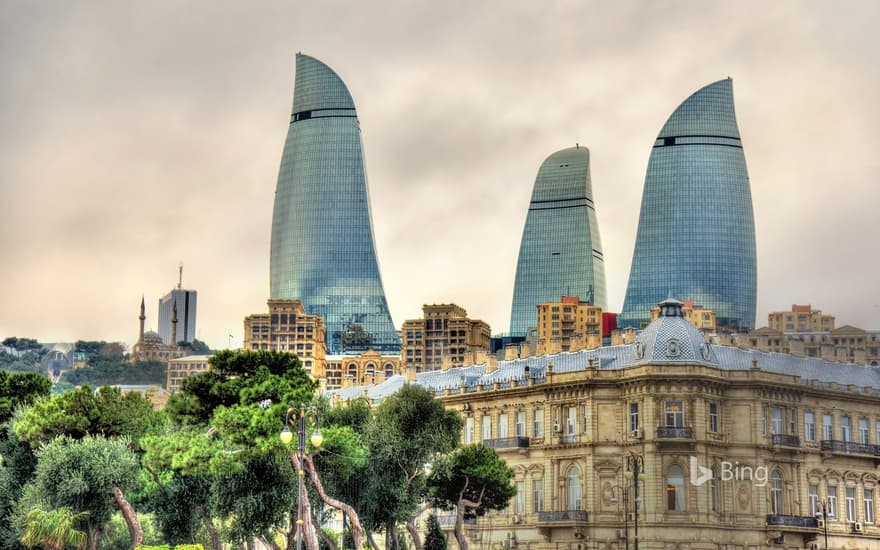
{"x": 444, "y": 337}
{"x": 150, "y": 346}
{"x": 669, "y": 442}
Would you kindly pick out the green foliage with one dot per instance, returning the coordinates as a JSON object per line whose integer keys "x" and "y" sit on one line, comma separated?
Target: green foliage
{"x": 196, "y": 347}
{"x": 22, "y": 344}
{"x": 20, "y": 389}
{"x": 19, "y": 463}
{"x": 26, "y": 362}
{"x": 188, "y": 451}
{"x": 435, "y": 538}
{"x": 112, "y": 371}
{"x": 238, "y": 378}
{"x": 117, "y": 536}
{"x": 356, "y": 414}
{"x": 175, "y": 506}
{"x": 81, "y": 413}
{"x": 169, "y": 547}
{"x": 80, "y": 475}
{"x": 54, "y": 529}
{"x": 473, "y": 473}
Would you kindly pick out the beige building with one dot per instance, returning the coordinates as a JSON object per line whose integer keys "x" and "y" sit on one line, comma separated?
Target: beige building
{"x": 287, "y": 327}
{"x": 568, "y": 325}
{"x": 367, "y": 368}
{"x": 179, "y": 369}
{"x": 444, "y": 337}
{"x": 801, "y": 318}
{"x": 149, "y": 346}
{"x": 702, "y": 318}
{"x": 737, "y": 449}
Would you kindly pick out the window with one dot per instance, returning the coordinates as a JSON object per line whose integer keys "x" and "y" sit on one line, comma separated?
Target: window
{"x": 520, "y": 424}
{"x": 863, "y": 431}
{"x": 868, "y": 499}
{"x": 845, "y": 429}
{"x": 832, "y": 501}
{"x": 519, "y": 504}
{"x": 776, "y": 420}
{"x": 502, "y": 425}
{"x": 764, "y": 420}
{"x": 850, "y": 504}
{"x": 777, "y": 507}
{"x": 674, "y": 414}
{"x": 713, "y": 418}
{"x": 633, "y": 417}
{"x": 674, "y": 488}
{"x": 792, "y": 421}
{"x": 469, "y": 430}
{"x": 574, "y": 488}
{"x": 814, "y": 500}
{"x": 486, "y": 427}
{"x": 810, "y": 426}
{"x": 713, "y": 491}
{"x": 827, "y": 427}
{"x": 571, "y": 422}
{"x": 537, "y": 495}
{"x": 538, "y": 423}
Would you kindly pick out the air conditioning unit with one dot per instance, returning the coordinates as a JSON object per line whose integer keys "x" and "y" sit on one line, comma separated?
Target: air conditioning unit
{"x": 556, "y": 427}
{"x": 820, "y": 523}
{"x": 857, "y": 527}
{"x": 637, "y": 434}
{"x": 516, "y": 518}
{"x": 621, "y": 533}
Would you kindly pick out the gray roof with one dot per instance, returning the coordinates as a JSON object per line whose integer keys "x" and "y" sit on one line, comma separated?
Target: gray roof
{"x": 667, "y": 340}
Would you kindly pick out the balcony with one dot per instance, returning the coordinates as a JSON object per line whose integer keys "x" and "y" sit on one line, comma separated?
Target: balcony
{"x": 564, "y": 517}
{"x": 785, "y": 440}
{"x": 799, "y": 522}
{"x": 673, "y": 432}
{"x": 507, "y": 443}
{"x": 568, "y": 439}
{"x": 848, "y": 447}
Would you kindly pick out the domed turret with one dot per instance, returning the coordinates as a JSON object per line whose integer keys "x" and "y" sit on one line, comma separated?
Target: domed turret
{"x": 672, "y": 339}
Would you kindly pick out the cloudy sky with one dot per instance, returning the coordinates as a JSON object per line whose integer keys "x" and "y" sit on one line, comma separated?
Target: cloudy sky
{"x": 136, "y": 135}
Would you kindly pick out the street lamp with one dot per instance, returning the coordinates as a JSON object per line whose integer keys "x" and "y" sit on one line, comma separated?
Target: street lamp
{"x": 286, "y": 437}
{"x": 823, "y": 514}
{"x": 635, "y": 470}
{"x": 625, "y": 491}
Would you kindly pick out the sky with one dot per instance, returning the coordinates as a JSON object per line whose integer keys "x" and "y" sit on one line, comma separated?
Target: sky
{"x": 138, "y": 135}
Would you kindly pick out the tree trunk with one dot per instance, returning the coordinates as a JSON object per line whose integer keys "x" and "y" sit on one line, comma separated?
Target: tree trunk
{"x": 459, "y": 528}
{"x": 412, "y": 527}
{"x": 322, "y": 535}
{"x": 372, "y": 541}
{"x": 309, "y": 536}
{"x": 128, "y": 514}
{"x": 353, "y": 519}
{"x": 268, "y": 543}
{"x": 209, "y": 527}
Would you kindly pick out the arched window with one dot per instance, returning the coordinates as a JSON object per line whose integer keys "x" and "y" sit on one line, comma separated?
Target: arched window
{"x": 675, "y": 488}
{"x": 389, "y": 370}
{"x": 777, "y": 501}
{"x": 574, "y": 488}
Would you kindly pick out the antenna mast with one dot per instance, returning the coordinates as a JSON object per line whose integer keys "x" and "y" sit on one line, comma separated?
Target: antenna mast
{"x": 180, "y": 279}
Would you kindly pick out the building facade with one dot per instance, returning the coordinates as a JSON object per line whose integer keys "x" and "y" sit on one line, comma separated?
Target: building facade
{"x": 182, "y": 367}
{"x": 673, "y": 442}
{"x": 561, "y": 252}
{"x": 323, "y": 250}
{"x": 287, "y": 327}
{"x": 702, "y": 318}
{"x": 185, "y": 300}
{"x": 444, "y": 337}
{"x": 696, "y": 233}
{"x": 801, "y": 318}
{"x": 846, "y": 344}
{"x": 570, "y": 324}
{"x": 370, "y": 367}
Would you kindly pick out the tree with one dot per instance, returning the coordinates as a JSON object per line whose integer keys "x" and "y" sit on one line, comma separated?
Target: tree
{"x": 54, "y": 529}
{"x": 195, "y": 347}
{"x": 20, "y": 389}
{"x": 89, "y": 475}
{"x": 435, "y": 538}
{"x": 472, "y": 481}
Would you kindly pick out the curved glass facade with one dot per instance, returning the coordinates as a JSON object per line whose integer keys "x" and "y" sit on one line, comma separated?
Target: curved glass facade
{"x": 696, "y": 235}
{"x": 561, "y": 252}
{"x": 323, "y": 250}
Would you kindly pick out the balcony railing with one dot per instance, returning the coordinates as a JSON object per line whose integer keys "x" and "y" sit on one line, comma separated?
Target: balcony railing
{"x": 848, "y": 447}
{"x": 568, "y": 439}
{"x": 578, "y": 516}
{"x": 671, "y": 432}
{"x": 804, "y": 522}
{"x": 785, "y": 440}
{"x": 507, "y": 443}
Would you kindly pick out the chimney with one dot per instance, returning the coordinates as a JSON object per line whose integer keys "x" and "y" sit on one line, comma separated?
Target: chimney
{"x": 511, "y": 352}
{"x": 491, "y": 364}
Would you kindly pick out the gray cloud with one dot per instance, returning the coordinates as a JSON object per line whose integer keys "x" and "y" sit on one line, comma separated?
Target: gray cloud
{"x": 134, "y": 136}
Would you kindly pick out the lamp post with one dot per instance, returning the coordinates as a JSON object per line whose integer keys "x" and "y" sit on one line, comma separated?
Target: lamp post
{"x": 823, "y": 513}
{"x": 625, "y": 491}
{"x": 316, "y": 439}
{"x": 635, "y": 470}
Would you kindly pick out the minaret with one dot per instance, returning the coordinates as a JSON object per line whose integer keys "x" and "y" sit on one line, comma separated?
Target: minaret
{"x": 174, "y": 324}
{"x": 143, "y": 318}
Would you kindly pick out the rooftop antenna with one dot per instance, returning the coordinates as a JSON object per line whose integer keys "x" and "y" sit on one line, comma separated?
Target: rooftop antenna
{"x": 180, "y": 277}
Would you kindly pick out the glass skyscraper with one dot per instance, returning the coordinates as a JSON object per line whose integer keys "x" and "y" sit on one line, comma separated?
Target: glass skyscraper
{"x": 323, "y": 250}
{"x": 696, "y": 235}
{"x": 561, "y": 252}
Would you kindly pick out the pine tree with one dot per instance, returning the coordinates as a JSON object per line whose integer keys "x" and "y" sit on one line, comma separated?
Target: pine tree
{"x": 435, "y": 539}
